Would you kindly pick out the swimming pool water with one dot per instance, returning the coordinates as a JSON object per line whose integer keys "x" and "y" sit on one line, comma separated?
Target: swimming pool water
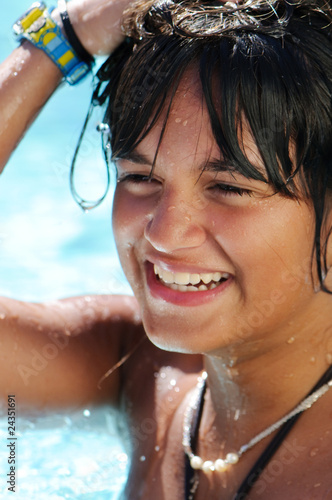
{"x": 65, "y": 457}
{"x": 50, "y": 248}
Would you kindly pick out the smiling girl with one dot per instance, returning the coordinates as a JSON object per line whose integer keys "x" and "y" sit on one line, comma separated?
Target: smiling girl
{"x": 218, "y": 119}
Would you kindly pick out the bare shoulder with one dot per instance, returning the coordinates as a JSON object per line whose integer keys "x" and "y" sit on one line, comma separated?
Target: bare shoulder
{"x": 54, "y": 354}
{"x": 80, "y": 312}
{"x": 156, "y": 385}
{"x": 156, "y": 382}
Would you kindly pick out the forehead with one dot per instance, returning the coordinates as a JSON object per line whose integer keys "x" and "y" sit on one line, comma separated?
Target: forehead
{"x": 184, "y": 132}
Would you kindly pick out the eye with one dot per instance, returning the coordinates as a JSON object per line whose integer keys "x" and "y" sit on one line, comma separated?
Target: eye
{"x": 229, "y": 190}
{"x": 139, "y": 184}
{"x": 135, "y": 178}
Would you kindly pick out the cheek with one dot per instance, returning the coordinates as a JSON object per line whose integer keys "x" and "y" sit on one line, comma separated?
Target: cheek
{"x": 129, "y": 219}
{"x": 123, "y": 220}
{"x": 266, "y": 240}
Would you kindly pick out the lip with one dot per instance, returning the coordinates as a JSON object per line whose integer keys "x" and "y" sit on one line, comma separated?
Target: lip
{"x": 189, "y": 299}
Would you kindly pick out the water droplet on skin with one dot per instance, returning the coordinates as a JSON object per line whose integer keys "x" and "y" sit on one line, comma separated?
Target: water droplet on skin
{"x": 232, "y": 372}
{"x": 2, "y": 316}
{"x": 314, "y": 452}
{"x": 329, "y": 358}
{"x": 178, "y": 120}
{"x": 313, "y": 360}
{"x": 232, "y": 362}
{"x": 172, "y": 384}
{"x": 142, "y": 458}
{"x": 86, "y": 413}
{"x": 162, "y": 375}
{"x": 200, "y": 203}
{"x": 290, "y": 340}
{"x": 237, "y": 415}
{"x": 170, "y": 208}
{"x": 185, "y": 123}
{"x": 157, "y": 448}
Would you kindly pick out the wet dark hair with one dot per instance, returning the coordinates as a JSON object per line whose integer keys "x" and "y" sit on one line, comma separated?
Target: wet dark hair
{"x": 270, "y": 61}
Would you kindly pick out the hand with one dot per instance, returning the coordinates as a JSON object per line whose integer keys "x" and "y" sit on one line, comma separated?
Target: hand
{"x": 97, "y": 23}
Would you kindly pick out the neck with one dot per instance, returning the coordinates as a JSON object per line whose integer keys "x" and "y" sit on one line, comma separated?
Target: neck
{"x": 263, "y": 380}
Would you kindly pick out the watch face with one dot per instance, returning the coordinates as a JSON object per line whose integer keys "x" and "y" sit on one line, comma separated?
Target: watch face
{"x": 32, "y": 20}
{"x": 37, "y": 25}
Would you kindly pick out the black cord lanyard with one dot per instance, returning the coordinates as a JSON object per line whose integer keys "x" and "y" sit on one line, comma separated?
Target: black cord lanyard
{"x": 263, "y": 460}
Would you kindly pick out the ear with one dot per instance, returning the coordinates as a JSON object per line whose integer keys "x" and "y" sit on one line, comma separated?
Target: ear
{"x": 328, "y": 279}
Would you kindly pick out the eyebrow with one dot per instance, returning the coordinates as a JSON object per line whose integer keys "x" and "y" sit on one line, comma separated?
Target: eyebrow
{"x": 213, "y": 165}
{"x": 135, "y": 157}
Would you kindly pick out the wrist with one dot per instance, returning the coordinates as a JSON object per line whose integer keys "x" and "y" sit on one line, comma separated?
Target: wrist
{"x": 97, "y": 24}
{"x": 76, "y": 14}
{"x": 70, "y": 34}
{"x": 42, "y": 27}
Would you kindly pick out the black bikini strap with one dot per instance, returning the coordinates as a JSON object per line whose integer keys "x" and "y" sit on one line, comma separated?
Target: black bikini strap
{"x": 272, "y": 447}
{"x": 190, "y": 474}
{"x": 262, "y": 461}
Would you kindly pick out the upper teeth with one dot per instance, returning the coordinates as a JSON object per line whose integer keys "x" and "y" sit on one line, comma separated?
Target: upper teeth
{"x": 188, "y": 278}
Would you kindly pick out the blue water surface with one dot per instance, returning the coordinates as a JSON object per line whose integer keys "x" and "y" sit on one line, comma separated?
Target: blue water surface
{"x": 50, "y": 248}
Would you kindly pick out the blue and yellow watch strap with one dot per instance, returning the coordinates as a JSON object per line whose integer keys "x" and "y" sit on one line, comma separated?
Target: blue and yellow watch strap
{"x": 37, "y": 26}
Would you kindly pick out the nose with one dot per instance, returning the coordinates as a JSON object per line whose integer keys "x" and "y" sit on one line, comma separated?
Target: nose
{"x": 174, "y": 226}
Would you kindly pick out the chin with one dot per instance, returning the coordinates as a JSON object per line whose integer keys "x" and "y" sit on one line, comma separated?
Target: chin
{"x": 168, "y": 338}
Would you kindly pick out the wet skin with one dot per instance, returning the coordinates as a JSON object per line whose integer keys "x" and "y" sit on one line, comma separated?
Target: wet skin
{"x": 264, "y": 331}
{"x": 263, "y": 334}
{"x": 186, "y": 220}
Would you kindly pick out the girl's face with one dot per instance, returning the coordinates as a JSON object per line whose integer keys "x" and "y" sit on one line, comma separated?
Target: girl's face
{"x": 213, "y": 258}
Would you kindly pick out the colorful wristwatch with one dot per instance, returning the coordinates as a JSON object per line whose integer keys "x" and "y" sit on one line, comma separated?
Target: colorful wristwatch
{"x": 37, "y": 26}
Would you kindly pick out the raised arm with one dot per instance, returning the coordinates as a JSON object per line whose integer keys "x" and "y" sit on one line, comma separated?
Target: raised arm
{"x": 28, "y": 77}
{"x": 57, "y": 354}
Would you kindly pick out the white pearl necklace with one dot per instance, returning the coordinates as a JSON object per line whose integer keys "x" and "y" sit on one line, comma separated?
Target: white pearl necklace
{"x": 232, "y": 458}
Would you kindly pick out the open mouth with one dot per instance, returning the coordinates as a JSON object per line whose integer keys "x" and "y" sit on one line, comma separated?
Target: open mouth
{"x": 186, "y": 282}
